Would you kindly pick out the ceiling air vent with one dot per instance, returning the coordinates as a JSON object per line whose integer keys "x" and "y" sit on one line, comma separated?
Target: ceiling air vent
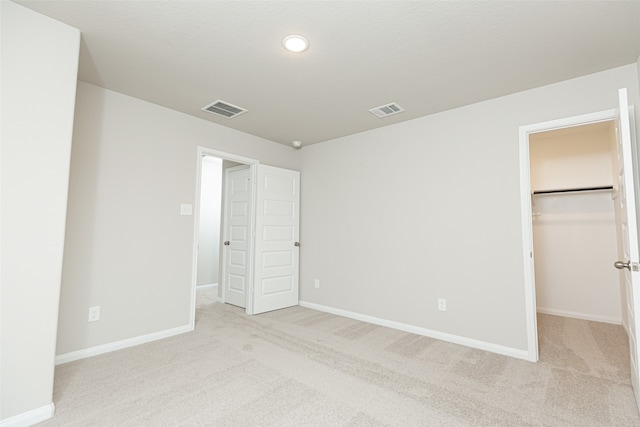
{"x": 224, "y": 109}
{"x": 387, "y": 110}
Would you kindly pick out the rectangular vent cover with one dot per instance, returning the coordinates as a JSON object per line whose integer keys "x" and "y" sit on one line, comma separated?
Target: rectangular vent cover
{"x": 387, "y": 110}
{"x": 224, "y": 109}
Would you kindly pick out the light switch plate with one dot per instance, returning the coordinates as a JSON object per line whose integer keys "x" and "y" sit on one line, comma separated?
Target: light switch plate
{"x": 94, "y": 313}
{"x": 186, "y": 209}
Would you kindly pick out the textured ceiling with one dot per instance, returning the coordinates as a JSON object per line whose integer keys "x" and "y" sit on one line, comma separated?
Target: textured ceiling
{"x": 426, "y": 56}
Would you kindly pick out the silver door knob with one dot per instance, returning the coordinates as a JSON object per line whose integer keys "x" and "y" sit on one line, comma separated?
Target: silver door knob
{"x": 620, "y": 265}
{"x": 227, "y": 243}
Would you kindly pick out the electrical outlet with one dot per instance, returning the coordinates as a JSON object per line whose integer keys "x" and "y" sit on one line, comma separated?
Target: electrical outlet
{"x": 316, "y": 283}
{"x": 186, "y": 209}
{"x": 442, "y": 304}
{"x": 94, "y": 313}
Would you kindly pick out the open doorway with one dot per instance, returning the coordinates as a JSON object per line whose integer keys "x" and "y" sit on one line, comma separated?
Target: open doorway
{"x": 209, "y": 227}
{"x": 208, "y": 279}
{"x": 580, "y": 296}
{"x": 528, "y": 204}
{"x": 266, "y": 202}
{"x": 575, "y": 242}
{"x": 214, "y": 179}
{"x": 625, "y": 195}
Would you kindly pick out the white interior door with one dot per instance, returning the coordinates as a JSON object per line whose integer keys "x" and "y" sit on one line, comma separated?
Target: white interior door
{"x": 237, "y": 234}
{"x": 630, "y": 257}
{"x": 277, "y": 230}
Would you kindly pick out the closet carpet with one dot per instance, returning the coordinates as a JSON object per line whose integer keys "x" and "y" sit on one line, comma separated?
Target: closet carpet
{"x": 299, "y": 367}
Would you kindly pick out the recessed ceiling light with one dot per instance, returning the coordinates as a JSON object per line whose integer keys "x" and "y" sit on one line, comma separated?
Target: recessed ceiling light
{"x": 295, "y": 43}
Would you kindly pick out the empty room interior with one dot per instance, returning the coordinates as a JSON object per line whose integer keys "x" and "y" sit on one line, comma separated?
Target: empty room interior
{"x": 320, "y": 213}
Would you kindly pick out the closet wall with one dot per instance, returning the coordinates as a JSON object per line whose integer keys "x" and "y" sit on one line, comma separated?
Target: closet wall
{"x": 575, "y": 242}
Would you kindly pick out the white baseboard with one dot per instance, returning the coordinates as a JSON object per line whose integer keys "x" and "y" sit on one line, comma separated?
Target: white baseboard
{"x": 582, "y": 316}
{"x": 119, "y": 345}
{"x": 455, "y": 339}
{"x": 30, "y": 418}
{"x": 207, "y": 286}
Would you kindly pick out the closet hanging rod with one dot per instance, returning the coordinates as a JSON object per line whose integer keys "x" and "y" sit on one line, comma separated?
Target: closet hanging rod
{"x": 573, "y": 190}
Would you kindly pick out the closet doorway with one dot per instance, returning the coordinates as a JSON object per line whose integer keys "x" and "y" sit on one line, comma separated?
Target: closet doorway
{"x": 574, "y": 222}
{"x": 624, "y": 190}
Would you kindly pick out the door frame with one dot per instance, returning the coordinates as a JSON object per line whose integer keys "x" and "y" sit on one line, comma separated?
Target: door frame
{"x": 252, "y": 163}
{"x": 527, "y": 218}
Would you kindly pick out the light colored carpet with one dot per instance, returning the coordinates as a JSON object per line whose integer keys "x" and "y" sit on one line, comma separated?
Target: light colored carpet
{"x": 299, "y": 367}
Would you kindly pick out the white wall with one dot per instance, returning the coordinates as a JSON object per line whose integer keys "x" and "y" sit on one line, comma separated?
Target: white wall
{"x": 127, "y": 248}
{"x": 209, "y": 227}
{"x": 39, "y": 71}
{"x": 397, "y": 217}
{"x": 574, "y": 234}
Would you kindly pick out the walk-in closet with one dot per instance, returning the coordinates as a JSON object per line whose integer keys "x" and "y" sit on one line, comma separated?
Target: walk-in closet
{"x": 574, "y": 222}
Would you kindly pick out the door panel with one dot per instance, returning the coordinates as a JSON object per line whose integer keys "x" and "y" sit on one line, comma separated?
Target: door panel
{"x": 277, "y": 230}
{"x": 629, "y": 247}
{"x": 237, "y": 223}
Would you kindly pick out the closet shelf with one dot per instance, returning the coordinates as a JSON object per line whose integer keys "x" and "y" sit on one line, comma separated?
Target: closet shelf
{"x": 573, "y": 190}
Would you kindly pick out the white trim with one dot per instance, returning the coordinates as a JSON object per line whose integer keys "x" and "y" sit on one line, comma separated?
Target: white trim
{"x": 30, "y": 418}
{"x": 119, "y": 345}
{"x": 204, "y": 151}
{"x": 527, "y": 248}
{"x": 625, "y": 327}
{"x": 455, "y": 339}
{"x": 582, "y": 316}
{"x": 253, "y": 200}
{"x": 207, "y": 286}
{"x": 525, "y": 201}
